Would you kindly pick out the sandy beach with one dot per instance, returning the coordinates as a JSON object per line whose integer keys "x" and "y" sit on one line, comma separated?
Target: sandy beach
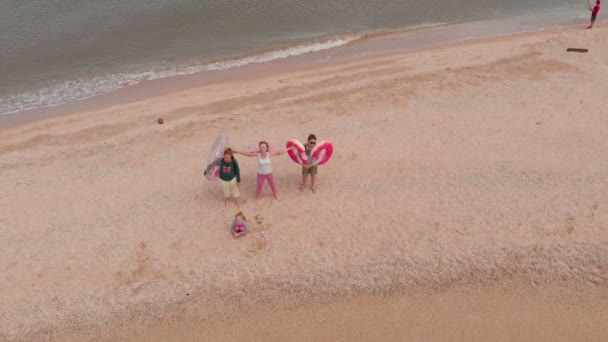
{"x": 467, "y": 198}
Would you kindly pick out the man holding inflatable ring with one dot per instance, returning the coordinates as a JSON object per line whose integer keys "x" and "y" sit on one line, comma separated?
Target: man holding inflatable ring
{"x": 309, "y": 168}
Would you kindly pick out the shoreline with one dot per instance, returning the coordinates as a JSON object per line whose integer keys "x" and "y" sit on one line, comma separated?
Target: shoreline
{"x": 365, "y": 45}
{"x": 488, "y": 166}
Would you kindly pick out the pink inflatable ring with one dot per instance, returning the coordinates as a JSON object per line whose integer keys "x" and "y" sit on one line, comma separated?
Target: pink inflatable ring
{"x": 296, "y": 151}
{"x": 321, "y": 153}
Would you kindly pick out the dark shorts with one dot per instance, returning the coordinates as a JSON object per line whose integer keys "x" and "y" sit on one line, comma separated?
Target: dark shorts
{"x": 312, "y": 171}
{"x": 593, "y": 16}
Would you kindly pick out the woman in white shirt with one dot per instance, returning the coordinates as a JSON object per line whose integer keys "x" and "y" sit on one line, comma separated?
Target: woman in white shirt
{"x": 264, "y": 168}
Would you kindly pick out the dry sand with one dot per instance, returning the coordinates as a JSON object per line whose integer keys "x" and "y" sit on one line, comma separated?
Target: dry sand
{"x": 474, "y": 175}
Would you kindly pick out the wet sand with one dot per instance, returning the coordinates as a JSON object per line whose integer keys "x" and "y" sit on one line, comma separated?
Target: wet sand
{"x": 464, "y": 313}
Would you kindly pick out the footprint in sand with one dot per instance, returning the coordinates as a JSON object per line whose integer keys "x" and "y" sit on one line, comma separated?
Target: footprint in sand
{"x": 260, "y": 243}
{"x": 176, "y": 245}
{"x": 569, "y": 224}
{"x": 143, "y": 263}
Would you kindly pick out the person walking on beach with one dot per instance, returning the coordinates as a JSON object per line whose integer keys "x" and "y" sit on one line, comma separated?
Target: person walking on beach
{"x": 229, "y": 176}
{"x": 594, "y": 11}
{"x": 309, "y": 168}
{"x": 264, "y": 168}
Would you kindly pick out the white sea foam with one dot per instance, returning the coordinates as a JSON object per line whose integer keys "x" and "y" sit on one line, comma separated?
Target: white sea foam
{"x": 84, "y": 88}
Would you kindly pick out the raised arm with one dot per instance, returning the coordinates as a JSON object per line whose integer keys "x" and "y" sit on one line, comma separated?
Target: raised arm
{"x": 278, "y": 153}
{"x": 246, "y": 154}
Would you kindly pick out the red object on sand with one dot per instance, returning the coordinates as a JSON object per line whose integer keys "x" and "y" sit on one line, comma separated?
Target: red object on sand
{"x": 160, "y": 121}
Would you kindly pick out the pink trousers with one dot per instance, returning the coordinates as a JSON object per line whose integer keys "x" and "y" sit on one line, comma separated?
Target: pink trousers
{"x": 269, "y": 177}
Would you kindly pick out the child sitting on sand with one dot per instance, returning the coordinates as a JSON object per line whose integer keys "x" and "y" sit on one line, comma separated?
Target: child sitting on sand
{"x": 239, "y": 225}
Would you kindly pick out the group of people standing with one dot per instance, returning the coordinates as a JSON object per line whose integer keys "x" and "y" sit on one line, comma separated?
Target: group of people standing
{"x": 230, "y": 175}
